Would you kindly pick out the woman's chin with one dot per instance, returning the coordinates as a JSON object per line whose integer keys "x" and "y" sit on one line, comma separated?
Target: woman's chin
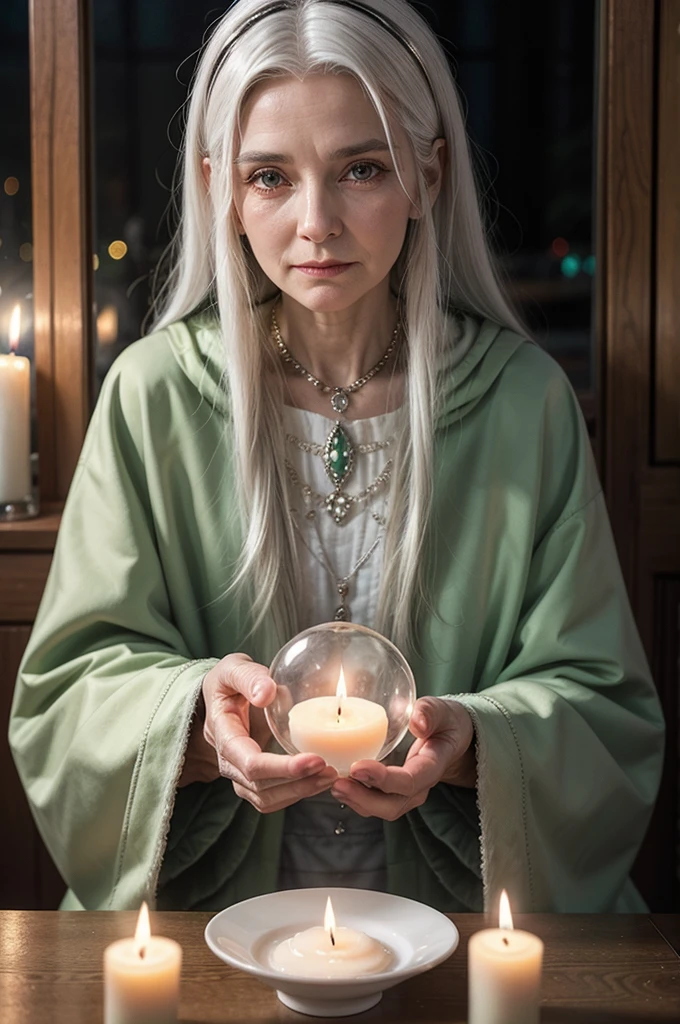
{"x": 331, "y": 296}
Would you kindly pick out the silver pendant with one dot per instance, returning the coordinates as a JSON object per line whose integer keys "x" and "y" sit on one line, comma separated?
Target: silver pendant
{"x": 339, "y": 400}
{"x": 342, "y": 613}
{"x": 338, "y": 505}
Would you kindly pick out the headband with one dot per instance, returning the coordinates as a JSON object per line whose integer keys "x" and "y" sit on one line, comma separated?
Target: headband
{"x": 288, "y": 5}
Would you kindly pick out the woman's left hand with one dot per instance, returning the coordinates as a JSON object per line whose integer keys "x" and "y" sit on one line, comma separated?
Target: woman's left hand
{"x": 442, "y": 752}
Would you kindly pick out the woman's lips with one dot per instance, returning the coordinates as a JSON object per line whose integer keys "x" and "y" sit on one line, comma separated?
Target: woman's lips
{"x": 329, "y": 271}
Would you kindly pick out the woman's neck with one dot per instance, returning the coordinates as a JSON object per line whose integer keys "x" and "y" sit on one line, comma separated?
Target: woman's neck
{"x": 338, "y": 347}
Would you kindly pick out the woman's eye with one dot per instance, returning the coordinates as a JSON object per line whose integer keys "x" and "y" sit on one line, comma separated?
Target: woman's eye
{"x": 364, "y": 172}
{"x": 267, "y": 179}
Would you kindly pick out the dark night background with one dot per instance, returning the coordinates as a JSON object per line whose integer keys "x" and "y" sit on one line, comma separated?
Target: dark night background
{"x": 526, "y": 69}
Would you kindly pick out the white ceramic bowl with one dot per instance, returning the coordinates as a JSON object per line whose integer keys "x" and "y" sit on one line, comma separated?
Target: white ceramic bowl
{"x": 420, "y": 938}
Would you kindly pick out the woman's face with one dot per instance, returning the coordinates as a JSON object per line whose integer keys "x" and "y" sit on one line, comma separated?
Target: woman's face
{"x": 316, "y": 190}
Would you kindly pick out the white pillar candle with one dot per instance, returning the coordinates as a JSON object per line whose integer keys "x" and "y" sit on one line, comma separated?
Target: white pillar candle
{"x": 15, "y": 419}
{"x": 340, "y": 729}
{"x": 504, "y": 974}
{"x": 141, "y": 977}
{"x": 330, "y": 952}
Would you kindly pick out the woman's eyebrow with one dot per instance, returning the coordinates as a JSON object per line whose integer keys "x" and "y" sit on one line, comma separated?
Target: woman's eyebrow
{"x": 258, "y": 157}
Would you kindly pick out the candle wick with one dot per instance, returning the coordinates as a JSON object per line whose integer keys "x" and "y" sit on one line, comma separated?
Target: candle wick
{"x": 142, "y": 953}
{"x": 332, "y": 937}
{"x": 506, "y": 941}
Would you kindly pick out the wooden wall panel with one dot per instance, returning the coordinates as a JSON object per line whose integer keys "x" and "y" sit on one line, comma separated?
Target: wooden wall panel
{"x": 22, "y": 581}
{"x": 28, "y": 878}
{"x": 666, "y": 405}
{"x": 62, "y": 234}
{"x": 17, "y": 856}
{"x": 624, "y": 257}
{"x": 640, "y": 387}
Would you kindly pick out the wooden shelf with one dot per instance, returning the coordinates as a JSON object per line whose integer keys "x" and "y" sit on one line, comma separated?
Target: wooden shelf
{"x": 38, "y": 534}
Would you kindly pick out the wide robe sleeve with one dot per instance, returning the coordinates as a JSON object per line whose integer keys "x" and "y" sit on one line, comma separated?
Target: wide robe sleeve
{"x": 569, "y": 739}
{"x": 107, "y": 686}
{"x": 569, "y": 730}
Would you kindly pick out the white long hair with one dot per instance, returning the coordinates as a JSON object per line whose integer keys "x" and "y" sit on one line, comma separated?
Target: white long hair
{"x": 445, "y": 263}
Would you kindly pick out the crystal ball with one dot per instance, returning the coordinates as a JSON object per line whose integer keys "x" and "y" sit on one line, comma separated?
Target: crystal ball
{"x": 343, "y": 691}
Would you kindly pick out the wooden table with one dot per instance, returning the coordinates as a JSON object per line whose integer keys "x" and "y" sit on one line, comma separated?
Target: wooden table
{"x": 598, "y": 969}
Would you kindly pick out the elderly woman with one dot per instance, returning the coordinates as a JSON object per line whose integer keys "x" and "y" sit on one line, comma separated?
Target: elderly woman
{"x": 332, "y": 290}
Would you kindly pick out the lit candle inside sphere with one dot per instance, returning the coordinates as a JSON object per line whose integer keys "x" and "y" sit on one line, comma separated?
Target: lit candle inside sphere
{"x": 141, "y": 977}
{"x": 340, "y": 729}
{"x": 330, "y": 952}
{"x": 504, "y": 973}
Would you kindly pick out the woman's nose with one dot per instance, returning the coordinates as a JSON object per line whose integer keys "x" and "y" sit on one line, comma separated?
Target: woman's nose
{"x": 318, "y": 216}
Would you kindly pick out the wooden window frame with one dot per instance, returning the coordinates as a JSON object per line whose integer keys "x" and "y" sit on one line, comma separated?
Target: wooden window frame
{"x": 62, "y": 183}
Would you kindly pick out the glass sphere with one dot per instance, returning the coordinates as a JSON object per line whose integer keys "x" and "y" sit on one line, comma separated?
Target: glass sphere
{"x": 343, "y": 691}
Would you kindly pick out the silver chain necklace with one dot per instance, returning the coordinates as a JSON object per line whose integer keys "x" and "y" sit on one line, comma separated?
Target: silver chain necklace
{"x": 339, "y": 396}
{"x": 342, "y": 612}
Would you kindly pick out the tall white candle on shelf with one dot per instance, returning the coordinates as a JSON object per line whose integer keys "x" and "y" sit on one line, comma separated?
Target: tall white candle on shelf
{"x": 15, "y": 419}
{"x": 141, "y": 977}
{"x": 504, "y": 973}
{"x": 340, "y": 729}
{"x": 330, "y": 952}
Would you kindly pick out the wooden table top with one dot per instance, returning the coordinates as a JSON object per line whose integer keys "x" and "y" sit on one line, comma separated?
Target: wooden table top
{"x": 598, "y": 969}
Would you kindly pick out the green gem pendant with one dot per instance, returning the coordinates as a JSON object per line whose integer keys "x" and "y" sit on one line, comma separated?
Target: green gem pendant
{"x": 338, "y": 456}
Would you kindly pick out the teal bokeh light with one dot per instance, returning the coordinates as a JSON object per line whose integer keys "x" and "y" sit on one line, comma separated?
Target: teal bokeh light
{"x": 570, "y": 265}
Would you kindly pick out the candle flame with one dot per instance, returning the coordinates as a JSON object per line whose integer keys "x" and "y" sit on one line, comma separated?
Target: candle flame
{"x": 14, "y": 327}
{"x": 341, "y": 691}
{"x": 504, "y": 916}
{"x": 329, "y": 921}
{"x": 142, "y": 931}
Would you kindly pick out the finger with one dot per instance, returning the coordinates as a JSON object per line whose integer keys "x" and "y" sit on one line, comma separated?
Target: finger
{"x": 245, "y": 676}
{"x": 389, "y": 779}
{"x": 259, "y": 768}
{"x": 422, "y": 770}
{"x": 429, "y": 716}
{"x": 373, "y": 802}
{"x": 277, "y": 798}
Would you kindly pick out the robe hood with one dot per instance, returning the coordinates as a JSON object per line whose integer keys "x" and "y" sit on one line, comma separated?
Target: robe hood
{"x": 476, "y": 354}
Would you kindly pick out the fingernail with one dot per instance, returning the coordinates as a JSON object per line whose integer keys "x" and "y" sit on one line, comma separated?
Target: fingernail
{"x": 364, "y": 777}
{"x": 257, "y": 692}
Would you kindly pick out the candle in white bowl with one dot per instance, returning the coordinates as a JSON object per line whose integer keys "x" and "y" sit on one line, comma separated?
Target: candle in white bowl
{"x": 340, "y": 729}
{"x": 15, "y": 419}
{"x": 504, "y": 973}
{"x": 331, "y": 952}
{"x": 141, "y": 977}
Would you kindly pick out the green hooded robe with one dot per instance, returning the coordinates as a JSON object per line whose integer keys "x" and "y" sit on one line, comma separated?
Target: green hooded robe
{"x": 529, "y": 626}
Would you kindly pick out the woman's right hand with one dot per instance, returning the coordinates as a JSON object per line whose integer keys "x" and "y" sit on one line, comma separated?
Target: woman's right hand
{"x": 234, "y": 733}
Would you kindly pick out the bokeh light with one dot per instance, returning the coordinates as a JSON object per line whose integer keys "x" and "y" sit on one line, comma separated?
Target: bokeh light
{"x": 11, "y": 186}
{"x": 560, "y": 247}
{"x": 570, "y": 266}
{"x": 117, "y": 250}
{"x": 107, "y": 325}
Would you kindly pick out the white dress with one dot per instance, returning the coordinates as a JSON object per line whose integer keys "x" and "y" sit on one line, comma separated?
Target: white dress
{"x": 324, "y": 842}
